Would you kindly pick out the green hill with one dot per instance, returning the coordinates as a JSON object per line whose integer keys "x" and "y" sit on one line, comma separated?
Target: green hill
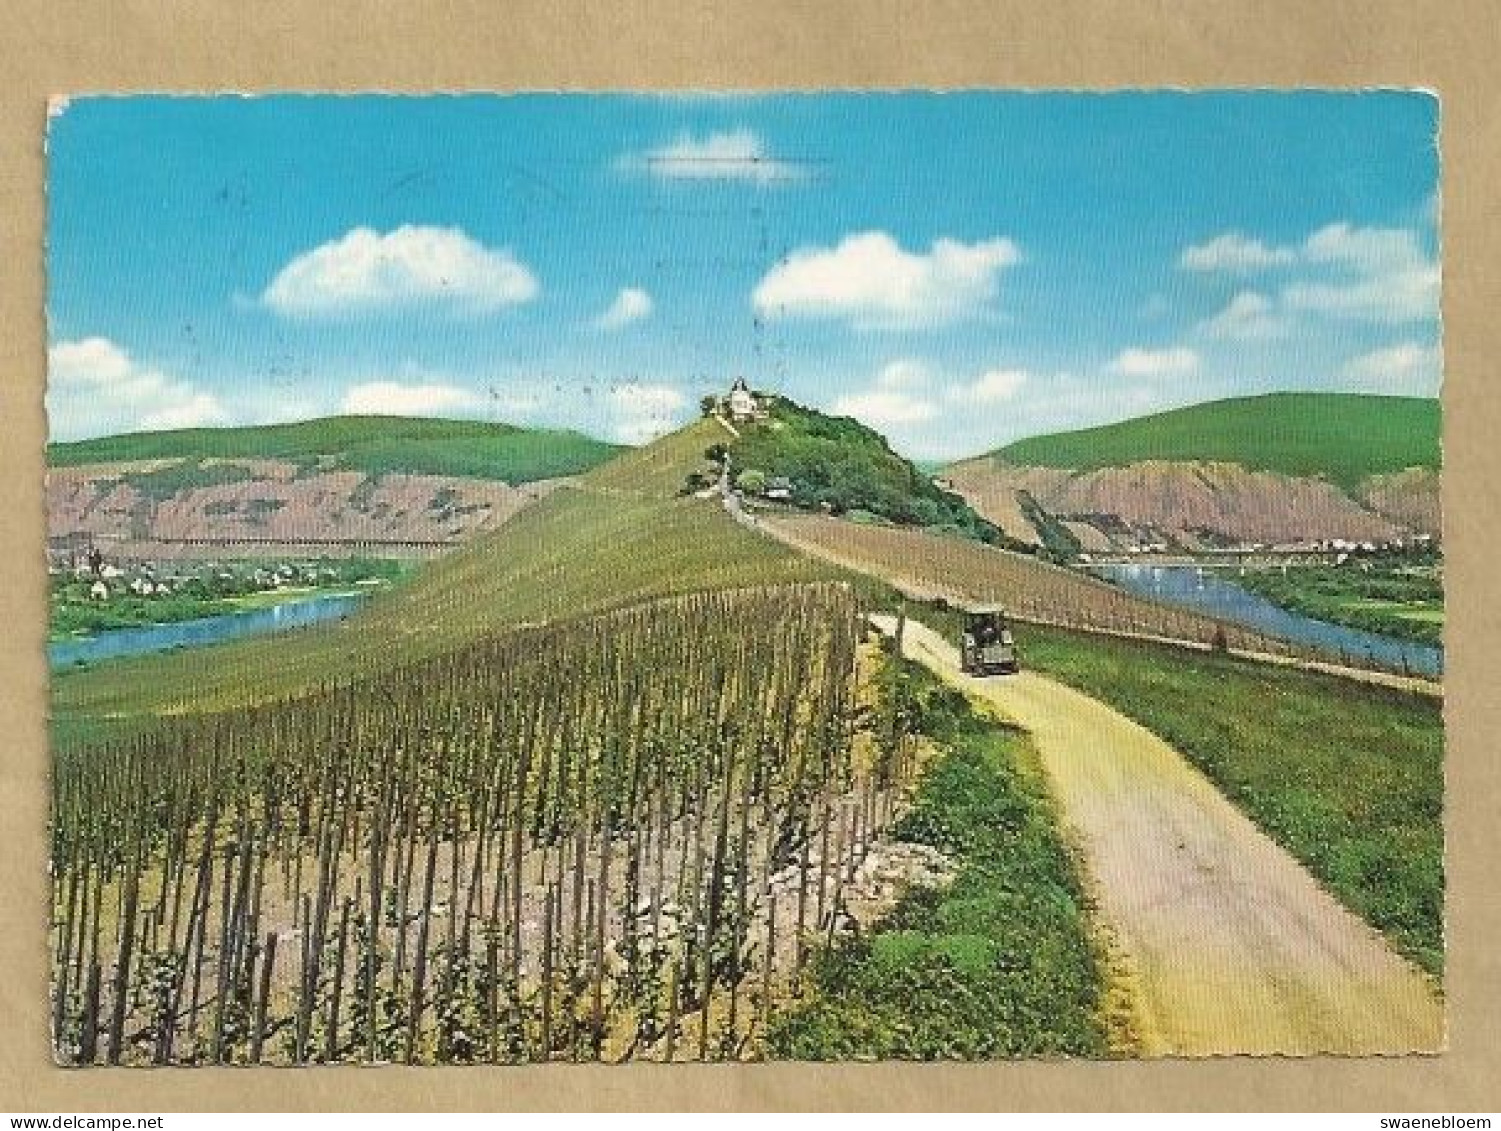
{"x": 1344, "y": 437}
{"x": 838, "y": 465}
{"x": 620, "y": 534}
{"x": 373, "y": 444}
{"x": 662, "y": 467}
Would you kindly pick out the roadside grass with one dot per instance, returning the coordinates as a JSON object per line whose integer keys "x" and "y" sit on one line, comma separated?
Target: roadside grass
{"x": 1347, "y": 776}
{"x": 1000, "y": 963}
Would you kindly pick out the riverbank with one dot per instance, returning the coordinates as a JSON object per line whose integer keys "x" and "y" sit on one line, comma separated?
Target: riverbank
{"x": 255, "y": 618}
{"x": 1206, "y": 591}
{"x": 1406, "y": 603}
{"x": 84, "y": 606}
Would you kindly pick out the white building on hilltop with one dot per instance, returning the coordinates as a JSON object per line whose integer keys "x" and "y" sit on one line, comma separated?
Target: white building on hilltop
{"x": 742, "y": 403}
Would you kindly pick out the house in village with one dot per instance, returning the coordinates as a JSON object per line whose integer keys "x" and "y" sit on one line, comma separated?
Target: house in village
{"x": 70, "y": 551}
{"x": 778, "y": 488}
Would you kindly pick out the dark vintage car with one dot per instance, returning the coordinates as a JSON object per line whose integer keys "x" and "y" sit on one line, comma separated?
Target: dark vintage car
{"x": 987, "y": 647}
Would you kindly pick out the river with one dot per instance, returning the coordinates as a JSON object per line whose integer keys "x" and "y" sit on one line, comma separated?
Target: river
{"x": 1201, "y": 589}
{"x": 205, "y": 630}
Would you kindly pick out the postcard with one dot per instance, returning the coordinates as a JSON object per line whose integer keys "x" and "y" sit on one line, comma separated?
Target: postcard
{"x": 823, "y": 576}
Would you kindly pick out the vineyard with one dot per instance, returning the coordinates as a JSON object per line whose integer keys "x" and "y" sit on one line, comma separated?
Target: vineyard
{"x": 619, "y": 837}
{"x": 933, "y": 567}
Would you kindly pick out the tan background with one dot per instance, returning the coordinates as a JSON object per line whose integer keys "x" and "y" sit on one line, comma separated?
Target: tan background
{"x": 61, "y": 46}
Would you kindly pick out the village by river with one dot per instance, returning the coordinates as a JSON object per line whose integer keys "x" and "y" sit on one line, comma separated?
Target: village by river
{"x": 1211, "y": 592}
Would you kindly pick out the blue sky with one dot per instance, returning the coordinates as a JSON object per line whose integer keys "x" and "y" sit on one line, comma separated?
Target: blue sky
{"x": 958, "y": 270}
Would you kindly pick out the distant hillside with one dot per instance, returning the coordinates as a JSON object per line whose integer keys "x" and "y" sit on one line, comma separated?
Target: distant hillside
{"x": 1282, "y": 469}
{"x": 336, "y": 482}
{"x": 1343, "y": 437}
{"x": 838, "y": 465}
{"x": 372, "y": 444}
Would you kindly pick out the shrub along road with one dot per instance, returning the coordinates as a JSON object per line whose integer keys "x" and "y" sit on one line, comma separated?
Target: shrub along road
{"x": 1232, "y": 946}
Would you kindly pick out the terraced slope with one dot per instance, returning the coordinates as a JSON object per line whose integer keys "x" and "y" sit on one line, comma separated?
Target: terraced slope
{"x": 411, "y": 485}
{"x": 1287, "y": 468}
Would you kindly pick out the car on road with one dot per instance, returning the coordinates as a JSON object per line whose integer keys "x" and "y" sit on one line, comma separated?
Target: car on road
{"x": 987, "y": 647}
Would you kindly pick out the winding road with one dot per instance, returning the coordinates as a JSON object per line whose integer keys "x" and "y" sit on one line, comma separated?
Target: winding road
{"x": 1228, "y": 944}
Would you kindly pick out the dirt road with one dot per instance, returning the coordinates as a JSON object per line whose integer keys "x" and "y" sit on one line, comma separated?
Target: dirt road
{"x": 1231, "y": 944}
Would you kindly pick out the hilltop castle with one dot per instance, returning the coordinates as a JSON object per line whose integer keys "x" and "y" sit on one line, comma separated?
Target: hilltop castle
{"x": 741, "y": 404}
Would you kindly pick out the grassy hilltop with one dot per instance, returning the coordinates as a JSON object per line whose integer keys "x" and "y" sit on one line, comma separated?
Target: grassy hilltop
{"x": 1344, "y": 437}
{"x": 837, "y": 464}
{"x": 372, "y": 444}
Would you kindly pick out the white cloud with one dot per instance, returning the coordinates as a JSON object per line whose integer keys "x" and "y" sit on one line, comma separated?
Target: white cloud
{"x": 280, "y": 404}
{"x": 906, "y": 396}
{"x": 1178, "y": 361}
{"x": 1249, "y": 315}
{"x": 392, "y": 398}
{"x": 193, "y": 411}
{"x": 96, "y": 362}
{"x": 1371, "y": 249}
{"x": 644, "y": 412}
{"x": 1407, "y": 367}
{"x": 1342, "y": 271}
{"x": 632, "y": 304}
{"x": 95, "y": 388}
{"x": 904, "y": 373}
{"x": 869, "y": 280}
{"x": 898, "y": 397}
{"x": 1410, "y": 297}
{"x": 928, "y": 414}
{"x": 991, "y": 387}
{"x": 1387, "y": 275}
{"x": 369, "y": 270}
{"x": 885, "y": 408}
{"x": 735, "y": 155}
{"x": 1234, "y": 252}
